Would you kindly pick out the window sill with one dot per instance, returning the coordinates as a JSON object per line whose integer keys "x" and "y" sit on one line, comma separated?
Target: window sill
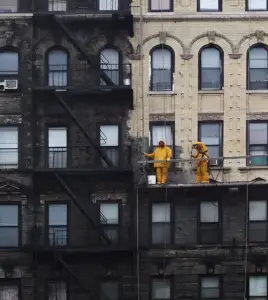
{"x": 157, "y": 13}
{"x": 257, "y": 92}
{"x": 211, "y": 92}
{"x": 162, "y": 93}
{"x": 253, "y": 168}
{"x": 215, "y": 168}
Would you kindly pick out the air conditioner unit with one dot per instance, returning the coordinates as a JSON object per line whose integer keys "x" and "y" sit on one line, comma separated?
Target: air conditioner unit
{"x": 213, "y": 162}
{"x": 10, "y": 84}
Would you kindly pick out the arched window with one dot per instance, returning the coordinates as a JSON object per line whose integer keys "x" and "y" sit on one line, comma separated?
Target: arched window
{"x": 57, "y": 68}
{"x": 162, "y": 68}
{"x": 257, "y": 68}
{"x": 109, "y": 62}
{"x": 211, "y": 68}
{"x": 9, "y": 63}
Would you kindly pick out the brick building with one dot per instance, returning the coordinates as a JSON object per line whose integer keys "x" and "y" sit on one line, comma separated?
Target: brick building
{"x": 200, "y": 72}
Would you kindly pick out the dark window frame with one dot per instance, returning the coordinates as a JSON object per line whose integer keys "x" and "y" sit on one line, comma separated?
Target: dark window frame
{"x": 47, "y": 66}
{"x": 218, "y": 225}
{"x": 221, "y": 131}
{"x": 12, "y": 282}
{"x": 171, "y": 7}
{"x": 172, "y": 70}
{"x": 248, "y": 9}
{"x": 220, "y": 279}
{"x": 116, "y": 226}
{"x": 258, "y": 45}
{"x": 57, "y": 279}
{"x": 199, "y": 9}
{"x": 18, "y": 204}
{"x": 254, "y": 145}
{"x": 218, "y": 48}
{"x": 171, "y": 223}
{"x": 254, "y": 222}
{"x": 264, "y": 274}
{"x": 47, "y": 226}
{"x": 170, "y": 278}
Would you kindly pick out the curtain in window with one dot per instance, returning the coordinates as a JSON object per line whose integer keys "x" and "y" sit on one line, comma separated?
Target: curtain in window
{"x": 209, "y": 4}
{"x": 257, "y": 4}
{"x": 109, "y": 213}
{"x": 57, "y": 291}
{"x": 57, "y": 5}
{"x": 257, "y": 210}
{"x": 161, "y": 73}
{"x": 210, "y": 135}
{"x": 258, "y": 67}
{"x": 162, "y": 132}
{"x": 160, "y": 5}
{"x": 57, "y": 68}
{"x": 209, "y": 212}
{"x": 9, "y": 63}
{"x": 57, "y": 143}
{"x": 258, "y": 286}
{"x": 9, "y": 292}
{"x": 108, "y": 5}
{"x": 210, "y": 69}
{"x": 9, "y": 233}
{"x": 160, "y": 213}
{"x": 8, "y": 6}
{"x": 9, "y": 147}
{"x": 110, "y": 64}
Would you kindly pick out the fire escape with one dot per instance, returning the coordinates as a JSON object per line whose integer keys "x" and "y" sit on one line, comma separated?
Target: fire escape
{"x": 77, "y": 12}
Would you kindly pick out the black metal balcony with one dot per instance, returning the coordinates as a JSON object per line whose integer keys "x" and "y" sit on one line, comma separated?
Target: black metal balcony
{"x": 80, "y": 76}
{"x": 81, "y": 158}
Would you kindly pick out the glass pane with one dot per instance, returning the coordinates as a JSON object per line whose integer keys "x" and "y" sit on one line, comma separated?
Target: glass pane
{"x": 209, "y": 233}
{"x": 258, "y": 133}
{"x": 9, "y": 215}
{"x": 162, "y": 133}
{"x": 258, "y": 210}
{"x": 9, "y": 236}
{"x": 258, "y": 286}
{"x": 9, "y": 292}
{"x": 257, "y": 4}
{"x": 110, "y": 290}
{"x": 161, "y": 212}
{"x": 161, "y": 59}
{"x": 109, "y": 57}
{"x": 210, "y": 134}
{"x": 56, "y": 59}
{"x": 258, "y": 160}
{"x": 210, "y": 58}
{"x": 210, "y": 282}
{"x": 159, "y": 5}
{"x": 113, "y": 155}
{"x": 57, "y": 5}
{"x": 257, "y": 231}
{"x": 57, "y": 214}
{"x": 9, "y": 137}
{"x": 161, "y": 289}
{"x": 57, "y": 236}
{"x": 213, "y": 151}
{"x": 108, "y": 4}
{"x": 210, "y": 287}
{"x": 57, "y": 290}
{"x": 209, "y": 212}
{"x": 9, "y": 158}
{"x": 57, "y": 78}
{"x": 109, "y": 135}
{"x": 258, "y": 58}
{"x": 161, "y": 80}
{"x": 161, "y": 233}
{"x": 112, "y": 234}
{"x": 57, "y": 158}
{"x": 57, "y": 137}
{"x": 211, "y": 78}
{"x": 109, "y": 213}
{"x": 209, "y": 4}
{"x": 9, "y": 63}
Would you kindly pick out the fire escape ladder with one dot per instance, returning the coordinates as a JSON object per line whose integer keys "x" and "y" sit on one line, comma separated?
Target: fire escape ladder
{"x": 83, "y": 50}
{"x": 76, "y": 203}
{"x": 74, "y": 118}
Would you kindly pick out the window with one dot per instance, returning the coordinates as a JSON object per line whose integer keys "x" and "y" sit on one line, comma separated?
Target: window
{"x": 211, "y": 135}
{"x": 256, "y": 4}
{"x": 57, "y": 290}
{"x": 109, "y": 219}
{"x": 57, "y": 147}
{"x": 108, "y": 5}
{"x": 8, "y": 147}
{"x": 210, "y": 69}
{"x": 257, "y": 226}
{"x": 57, "y": 5}
{"x": 8, "y": 6}
{"x": 109, "y": 141}
{"x": 57, "y": 224}
{"x": 109, "y": 60}
{"x": 161, "y": 229}
{"x": 9, "y": 291}
{"x": 209, "y": 5}
{"x": 257, "y": 143}
{"x": 257, "y": 68}
{"x": 257, "y": 287}
{"x": 160, "y": 5}
{"x": 210, "y": 287}
{"x": 162, "y": 68}
{"x": 161, "y": 133}
{"x": 161, "y": 289}
{"x": 9, "y": 64}
{"x": 209, "y": 222}
{"x": 9, "y": 226}
{"x": 57, "y": 68}
{"x": 110, "y": 290}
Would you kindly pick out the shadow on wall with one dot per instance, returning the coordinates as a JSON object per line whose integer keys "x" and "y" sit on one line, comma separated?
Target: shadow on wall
{"x": 179, "y": 173}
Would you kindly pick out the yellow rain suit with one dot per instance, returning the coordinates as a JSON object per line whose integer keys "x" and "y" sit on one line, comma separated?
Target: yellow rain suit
{"x": 161, "y": 153}
{"x": 202, "y": 165}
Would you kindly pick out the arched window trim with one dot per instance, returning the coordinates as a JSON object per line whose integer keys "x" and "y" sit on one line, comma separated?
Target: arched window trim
{"x": 47, "y": 71}
{"x": 172, "y": 70}
{"x": 257, "y": 45}
{"x": 115, "y": 74}
{"x": 11, "y": 49}
{"x": 210, "y": 46}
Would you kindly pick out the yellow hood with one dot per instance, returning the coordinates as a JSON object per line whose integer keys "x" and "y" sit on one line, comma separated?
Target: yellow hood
{"x": 201, "y": 146}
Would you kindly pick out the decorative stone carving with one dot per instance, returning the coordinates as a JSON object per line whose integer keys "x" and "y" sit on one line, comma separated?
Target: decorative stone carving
{"x": 258, "y": 116}
{"x": 10, "y": 119}
{"x": 210, "y": 117}
{"x": 235, "y": 55}
{"x": 170, "y": 117}
{"x": 211, "y": 36}
{"x": 260, "y": 35}
{"x": 135, "y": 56}
{"x": 162, "y": 37}
{"x": 8, "y": 187}
{"x": 186, "y": 56}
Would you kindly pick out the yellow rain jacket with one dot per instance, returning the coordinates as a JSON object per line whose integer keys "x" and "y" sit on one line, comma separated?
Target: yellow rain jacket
{"x": 202, "y": 175}
{"x": 159, "y": 153}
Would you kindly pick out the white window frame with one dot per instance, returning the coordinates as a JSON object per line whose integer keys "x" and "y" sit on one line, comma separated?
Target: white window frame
{"x": 12, "y": 149}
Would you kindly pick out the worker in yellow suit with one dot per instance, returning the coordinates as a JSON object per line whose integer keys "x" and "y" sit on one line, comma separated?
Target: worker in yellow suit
{"x": 162, "y": 152}
{"x": 202, "y": 165}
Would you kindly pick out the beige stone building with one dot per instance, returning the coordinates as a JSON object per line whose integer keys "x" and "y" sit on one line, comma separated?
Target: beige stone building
{"x": 201, "y": 68}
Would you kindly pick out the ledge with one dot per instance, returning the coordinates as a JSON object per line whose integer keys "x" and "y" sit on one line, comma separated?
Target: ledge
{"x": 257, "y": 92}
{"x": 211, "y": 92}
{"x": 169, "y": 93}
{"x": 247, "y": 168}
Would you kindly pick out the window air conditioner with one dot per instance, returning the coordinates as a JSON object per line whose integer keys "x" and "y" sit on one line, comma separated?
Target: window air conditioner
{"x": 213, "y": 162}
{"x": 10, "y": 84}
